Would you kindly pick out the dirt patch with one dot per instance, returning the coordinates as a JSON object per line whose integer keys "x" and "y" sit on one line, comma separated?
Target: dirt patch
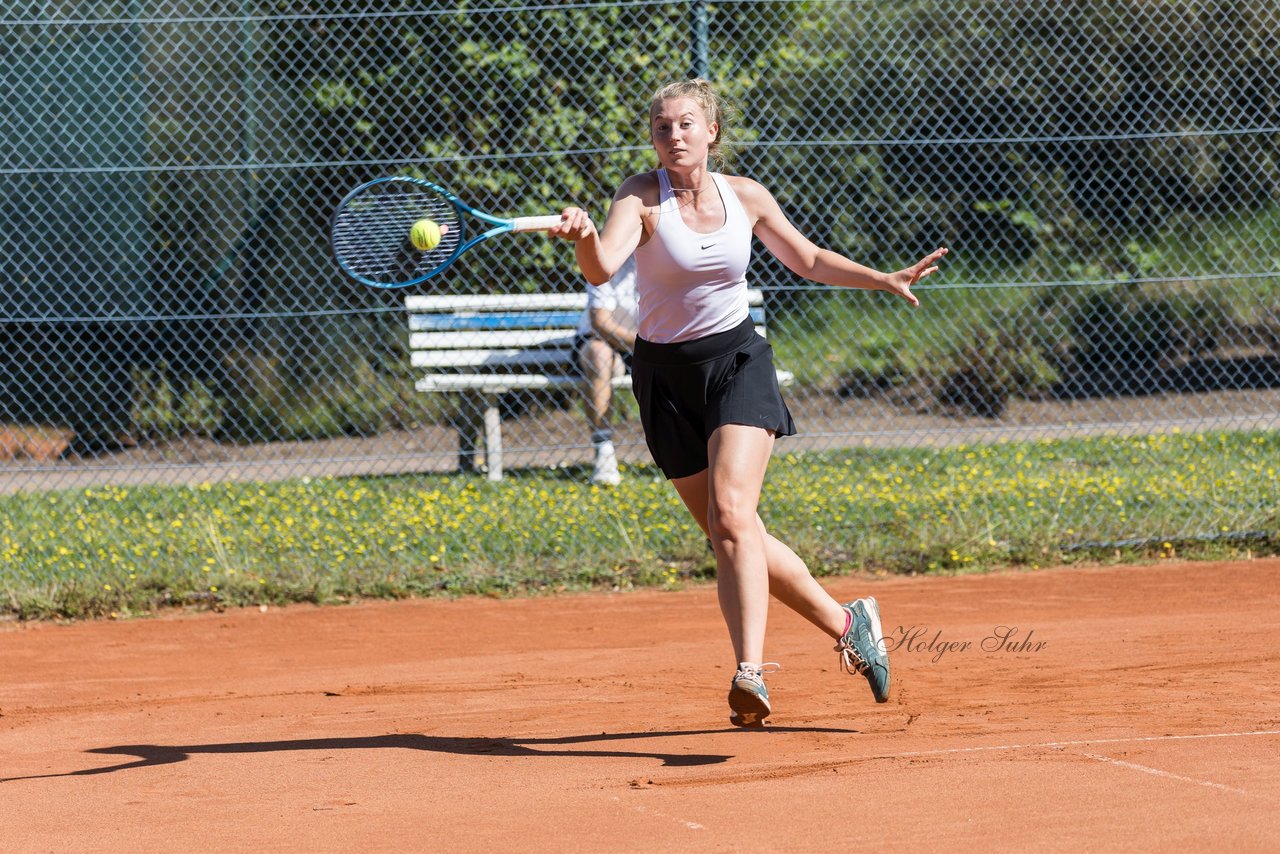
{"x": 37, "y": 444}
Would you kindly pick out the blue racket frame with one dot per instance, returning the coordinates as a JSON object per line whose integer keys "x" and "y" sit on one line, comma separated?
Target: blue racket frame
{"x": 500, "y": 226}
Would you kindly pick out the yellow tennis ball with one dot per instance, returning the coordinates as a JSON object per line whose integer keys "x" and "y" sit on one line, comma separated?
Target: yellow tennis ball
{"x": 425, "y": 235}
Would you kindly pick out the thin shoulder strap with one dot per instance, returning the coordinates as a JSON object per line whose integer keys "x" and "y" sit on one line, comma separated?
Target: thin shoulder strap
{"x": 666, "y": 197}
{"x": 728, "y": 194}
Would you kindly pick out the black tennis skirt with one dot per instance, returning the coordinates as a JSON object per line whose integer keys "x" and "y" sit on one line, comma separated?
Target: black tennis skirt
{"x": 688, "y": 389}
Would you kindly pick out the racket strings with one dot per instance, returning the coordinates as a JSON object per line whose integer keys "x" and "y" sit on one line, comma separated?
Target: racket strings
{"x": 371, "y": 234}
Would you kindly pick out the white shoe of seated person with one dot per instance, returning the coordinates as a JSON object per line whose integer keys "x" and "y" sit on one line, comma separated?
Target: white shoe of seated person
{"x": 606, "y": 468}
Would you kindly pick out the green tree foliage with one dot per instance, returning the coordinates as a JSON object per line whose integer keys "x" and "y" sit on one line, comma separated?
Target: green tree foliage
{"x": 986, "y": 122}
{"x": 523, "y": 112}
{"x": 1041, "y": 140}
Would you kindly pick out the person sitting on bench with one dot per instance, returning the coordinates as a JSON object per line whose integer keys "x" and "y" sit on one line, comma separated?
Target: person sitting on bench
{"x": 602, "y": 349}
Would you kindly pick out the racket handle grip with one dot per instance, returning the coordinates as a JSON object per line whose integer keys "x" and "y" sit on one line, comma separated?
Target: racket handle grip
{"x": 536, "y": 223}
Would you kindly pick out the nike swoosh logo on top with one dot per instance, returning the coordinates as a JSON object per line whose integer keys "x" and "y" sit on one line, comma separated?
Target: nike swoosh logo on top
{"x": 707, "y": 245}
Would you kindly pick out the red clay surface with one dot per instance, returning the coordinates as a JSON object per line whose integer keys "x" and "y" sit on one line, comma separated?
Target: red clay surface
{"x": 1148, "y": 718}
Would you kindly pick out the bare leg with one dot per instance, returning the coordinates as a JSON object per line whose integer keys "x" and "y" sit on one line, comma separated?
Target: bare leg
{"x": 599, "y": 363}
{"x": 742, "y": 456}
{"x": 596, "y": 361}
{"x": 723, "y": 499}
{"x": 794, "y": 586}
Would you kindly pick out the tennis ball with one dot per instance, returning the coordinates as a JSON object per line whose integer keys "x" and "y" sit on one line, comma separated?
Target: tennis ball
{"x": 425, "y": 235}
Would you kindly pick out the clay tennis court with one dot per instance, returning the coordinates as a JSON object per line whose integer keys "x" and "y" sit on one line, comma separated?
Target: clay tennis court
{"x": 1132, "y": 707}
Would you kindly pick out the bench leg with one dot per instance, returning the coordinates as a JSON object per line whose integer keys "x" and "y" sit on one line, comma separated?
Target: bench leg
{"x": 480, "y": 434}
{"x": 470, "y": 427}
{"x": 493, "y": 438}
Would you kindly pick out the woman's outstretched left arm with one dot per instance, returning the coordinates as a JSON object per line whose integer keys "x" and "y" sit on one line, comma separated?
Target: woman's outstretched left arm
{"x": 802, "y": 257}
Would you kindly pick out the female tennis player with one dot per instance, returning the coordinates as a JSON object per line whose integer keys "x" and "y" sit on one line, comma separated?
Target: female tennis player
{"x": 705, "y": 382}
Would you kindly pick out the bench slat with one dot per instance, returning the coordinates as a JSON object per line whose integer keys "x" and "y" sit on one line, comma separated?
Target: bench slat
{"x": 472, "y": 321}
{"x": 542, "y": 347}
{"x": 493, "y": 358}
{"x": 466, "y": 321}
{"x": 494, "y": 302}
{"x": 498, "y": 383}
{"x": 440, "y": 303}
{"x": 506, "y": 340}
{"x": 488, "y": 340}
{"x": 514, "y": 382}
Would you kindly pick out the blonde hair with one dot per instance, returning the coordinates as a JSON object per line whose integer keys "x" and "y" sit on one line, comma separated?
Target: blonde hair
{"x": 716, "y": 108}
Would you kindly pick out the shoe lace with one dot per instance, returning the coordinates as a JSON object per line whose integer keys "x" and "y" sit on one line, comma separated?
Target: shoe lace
{"x": 754, "y": 672}
{"x": 851, "y": 661}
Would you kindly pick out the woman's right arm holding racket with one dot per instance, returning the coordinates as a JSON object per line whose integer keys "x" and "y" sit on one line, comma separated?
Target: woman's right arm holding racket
{"x": 601, "y": 254}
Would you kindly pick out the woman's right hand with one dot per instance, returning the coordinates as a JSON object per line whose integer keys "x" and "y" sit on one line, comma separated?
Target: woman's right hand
{"x": 575, "y": 224}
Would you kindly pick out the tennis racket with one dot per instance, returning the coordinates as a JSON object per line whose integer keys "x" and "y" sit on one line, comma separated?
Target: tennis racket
{"x": 369, "y": 231}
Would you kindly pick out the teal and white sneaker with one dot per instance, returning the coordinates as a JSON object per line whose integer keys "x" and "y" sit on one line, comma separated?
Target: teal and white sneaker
{"x": 748, "y": 698}
{"x": 863, "y": 650}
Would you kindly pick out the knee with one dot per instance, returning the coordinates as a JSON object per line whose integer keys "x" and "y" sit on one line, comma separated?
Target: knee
{"x": 601, "y": 357}
{"x": 731, "y": 522}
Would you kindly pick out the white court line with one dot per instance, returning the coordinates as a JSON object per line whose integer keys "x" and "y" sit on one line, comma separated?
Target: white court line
{"x": 1081, "y": 743}
{"x": 958, "y": 751}
{"x": 640, "y": 808}
{"x": 1158, "y": 773}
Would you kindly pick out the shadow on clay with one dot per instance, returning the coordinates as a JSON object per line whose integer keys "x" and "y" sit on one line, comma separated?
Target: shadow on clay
{"x": 149, "y": 755}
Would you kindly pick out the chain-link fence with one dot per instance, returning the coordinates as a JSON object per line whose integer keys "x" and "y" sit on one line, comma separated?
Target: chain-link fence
{"x": 1105, "y": 172}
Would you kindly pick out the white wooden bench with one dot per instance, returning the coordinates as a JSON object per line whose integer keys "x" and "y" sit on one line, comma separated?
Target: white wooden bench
{"x": 484, "y": 346}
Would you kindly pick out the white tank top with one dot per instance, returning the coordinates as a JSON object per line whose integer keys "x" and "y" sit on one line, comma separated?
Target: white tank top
{"x": 691, "y": 284}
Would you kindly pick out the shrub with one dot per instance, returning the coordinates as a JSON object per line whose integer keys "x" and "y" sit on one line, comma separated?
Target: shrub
{"x": 1126, "y": 339}
{"x": 989, "y": 369}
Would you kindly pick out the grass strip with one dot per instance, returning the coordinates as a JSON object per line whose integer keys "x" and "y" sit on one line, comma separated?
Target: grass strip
{"x": 116, "y": 551}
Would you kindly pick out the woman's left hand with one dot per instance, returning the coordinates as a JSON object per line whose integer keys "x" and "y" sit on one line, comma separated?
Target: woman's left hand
{"x": 901, "y": 282}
